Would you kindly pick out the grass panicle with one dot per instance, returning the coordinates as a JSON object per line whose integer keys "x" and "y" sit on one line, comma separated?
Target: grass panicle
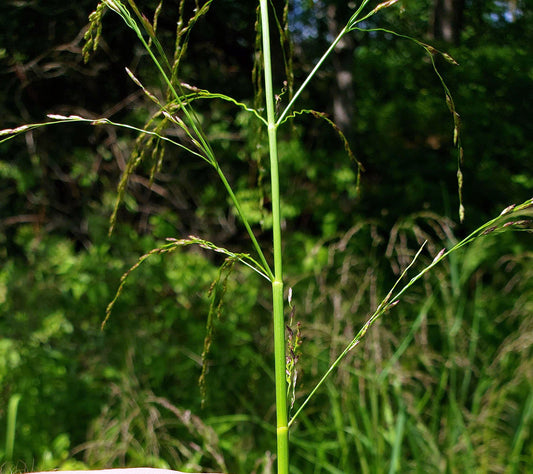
{"x": 172, "y": 246}
{"x": 217, "y": 292}
{"x": 94, "y": 32}
{"x": 294, "y": 351}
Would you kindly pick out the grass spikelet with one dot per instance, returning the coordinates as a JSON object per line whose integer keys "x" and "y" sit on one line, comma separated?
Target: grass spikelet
{"x": 432, "y": 52}
{"x": 94, "y": 32}
{"x": 124, "y": 277}
{"x": 14, "y": 131}
{"x": 342, "y": 137}
{"x": 286, "y": 39}
{"x": 133, "y": 163}
{"x": 285, "y": 44}
{"x": 344, "y": 140}
{"x": 216, "y": 294}
{"x": 183, "y": 31}
{"x": 155, "y": 20}
{"x": 148, "y": 94}
{"x": 387, "y": 4}
{"x": 294, "y": 342}
{"x": 172, "y": 246}
{"x": 148, "y": 145}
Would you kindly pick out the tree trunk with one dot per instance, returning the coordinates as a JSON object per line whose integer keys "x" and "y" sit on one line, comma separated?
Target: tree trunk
{"x": 447, "y": 21}
{"x": 343, "y": 97}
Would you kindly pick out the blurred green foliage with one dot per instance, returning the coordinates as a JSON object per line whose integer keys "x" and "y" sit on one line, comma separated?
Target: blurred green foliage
{"x": 442, "y": 384}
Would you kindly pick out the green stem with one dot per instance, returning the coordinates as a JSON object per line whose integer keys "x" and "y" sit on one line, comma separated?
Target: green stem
{"x": 11, "y": 425}
{"x": 237, "y": 205}
{"x": 277, "y": 283}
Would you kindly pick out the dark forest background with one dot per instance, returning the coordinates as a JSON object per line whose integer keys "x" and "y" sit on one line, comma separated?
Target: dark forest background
{"x": 444, "y": 383}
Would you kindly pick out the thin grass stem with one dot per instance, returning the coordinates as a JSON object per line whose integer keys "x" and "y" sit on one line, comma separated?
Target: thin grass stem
{"x": 318, "y": 65}
{"x": 12, "y": 410}
{"x": 349, "y": 27}
{"x": 277, "y": 283}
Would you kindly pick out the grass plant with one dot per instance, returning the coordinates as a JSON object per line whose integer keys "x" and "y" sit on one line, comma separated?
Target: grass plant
{"x": 11, "y": 424}
{"x": 379, "y": 423}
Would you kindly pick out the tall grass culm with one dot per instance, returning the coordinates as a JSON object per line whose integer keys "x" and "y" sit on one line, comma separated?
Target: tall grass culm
{"x": 176, "y": 108}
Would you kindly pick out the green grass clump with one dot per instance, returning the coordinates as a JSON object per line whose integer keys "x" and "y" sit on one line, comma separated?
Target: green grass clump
{"x": 432, "y": 388}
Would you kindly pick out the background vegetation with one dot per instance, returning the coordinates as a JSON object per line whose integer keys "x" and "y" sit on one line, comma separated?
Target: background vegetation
{"x": 444, "y": 383}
